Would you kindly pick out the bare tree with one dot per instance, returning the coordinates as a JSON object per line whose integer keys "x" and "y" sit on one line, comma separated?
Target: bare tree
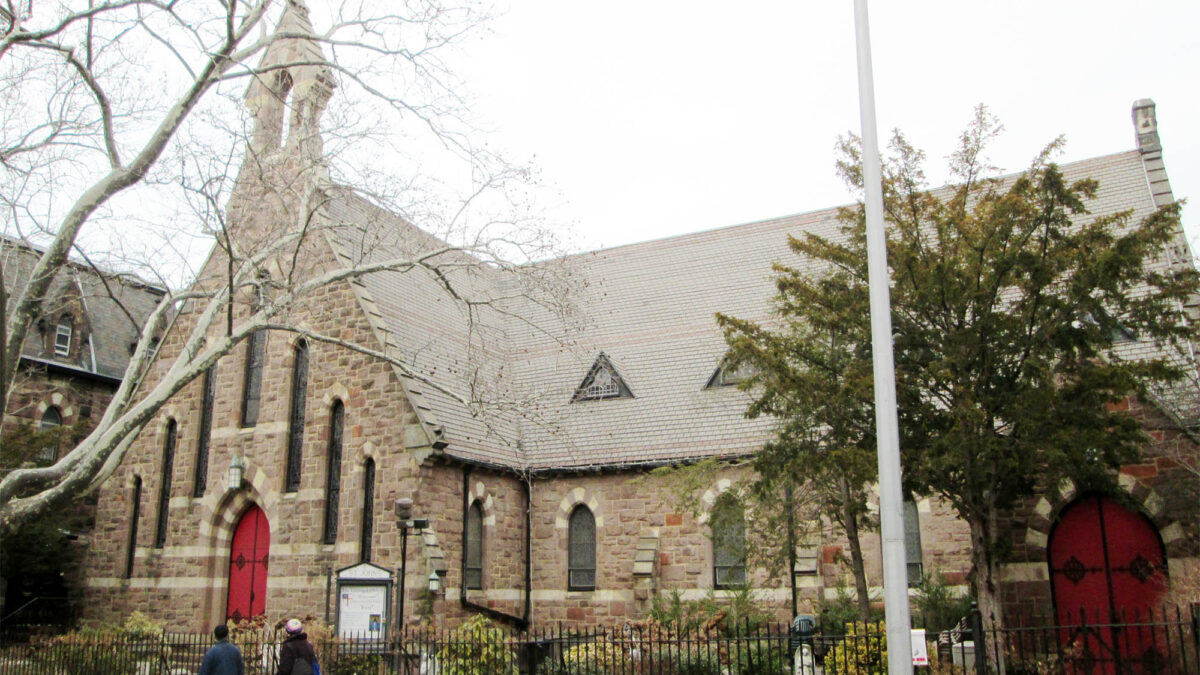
{"x": 84, "y": 127}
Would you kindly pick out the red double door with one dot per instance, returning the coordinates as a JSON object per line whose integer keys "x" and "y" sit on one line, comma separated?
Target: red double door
{"x": 248, "y": 565}
{"x": 1108, "y": 569}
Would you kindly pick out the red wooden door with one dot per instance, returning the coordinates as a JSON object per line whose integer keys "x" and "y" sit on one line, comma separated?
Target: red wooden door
{"x": 1108, "y": 569}
{"x": 248, "y": 565}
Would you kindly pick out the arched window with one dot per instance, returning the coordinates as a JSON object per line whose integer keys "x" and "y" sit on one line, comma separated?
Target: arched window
{"x": 333, "y": 473}
{"x": 206, "y": 413}
{"x": 133, "y": 525}
{"x": 256, "y": 349}
{"x": 296, "y": 418}
{"x": 581, "y": 550}
{"x": 728, "y": 524}
{"x": 473, "y": 553}
{"x": 912, "y": 542}
{"x": 368, "y": 509}
{"x": 62, "y": 336}
{"x": 164, "y": 489}
{"x": 51, "y": 420}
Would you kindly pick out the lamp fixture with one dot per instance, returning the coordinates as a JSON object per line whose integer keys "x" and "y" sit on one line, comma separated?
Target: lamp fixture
{"x": 237, "y": 469}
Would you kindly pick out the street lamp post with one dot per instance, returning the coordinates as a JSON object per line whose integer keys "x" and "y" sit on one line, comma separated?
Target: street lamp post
{"x": 404, "y": 519}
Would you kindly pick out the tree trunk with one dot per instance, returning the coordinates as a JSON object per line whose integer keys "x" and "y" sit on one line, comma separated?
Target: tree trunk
{"x": 850, "y": 521}
{"x": 987, "y": 597}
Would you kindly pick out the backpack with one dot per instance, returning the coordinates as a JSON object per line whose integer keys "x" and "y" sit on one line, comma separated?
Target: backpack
{"x": 302, "y": 667}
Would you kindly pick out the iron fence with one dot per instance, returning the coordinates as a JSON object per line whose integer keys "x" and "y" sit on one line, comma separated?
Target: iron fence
{"x": 1166, "y": 641}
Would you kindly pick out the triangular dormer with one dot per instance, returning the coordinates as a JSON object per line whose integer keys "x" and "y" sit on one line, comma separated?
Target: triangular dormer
{"x": 728, "y": 374}
{"x": 602, "y": 382}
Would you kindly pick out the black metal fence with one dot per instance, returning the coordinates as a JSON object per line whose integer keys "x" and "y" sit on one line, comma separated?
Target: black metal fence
{"x": 1166, "y": 641}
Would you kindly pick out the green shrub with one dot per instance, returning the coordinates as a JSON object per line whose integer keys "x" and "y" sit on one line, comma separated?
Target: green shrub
{"x": 353, "y": 664}
{"x": 477, "y": 647}
{"x": 842, "y": 610}
{"x": 733, "y": 614}
{"x": 693, "y": 659}
{"x": 591, "y": 658}
{"x": 861, "y": 652}
{"x": 937, "y": 605}
{"x": 760, "y": 658}
{"x": 133, "y": 647}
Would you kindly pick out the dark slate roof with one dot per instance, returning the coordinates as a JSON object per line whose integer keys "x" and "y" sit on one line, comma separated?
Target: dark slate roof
{"x": 649, "y": 307}
{"x": 115, "y": 306}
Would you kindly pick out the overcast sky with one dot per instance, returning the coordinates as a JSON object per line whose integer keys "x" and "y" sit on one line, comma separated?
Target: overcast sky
{"x": 652, "y": 118}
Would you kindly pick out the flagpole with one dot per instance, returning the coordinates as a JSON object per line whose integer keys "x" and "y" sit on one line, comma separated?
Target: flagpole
{"x": 895, "y": 574}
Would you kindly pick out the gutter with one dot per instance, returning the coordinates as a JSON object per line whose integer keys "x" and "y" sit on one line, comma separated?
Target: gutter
{"x": 63, "y": 369}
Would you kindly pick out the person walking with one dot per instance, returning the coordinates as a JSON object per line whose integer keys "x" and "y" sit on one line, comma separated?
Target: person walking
{"x": 223, "y": 658}
{"x": 296, "y": 655}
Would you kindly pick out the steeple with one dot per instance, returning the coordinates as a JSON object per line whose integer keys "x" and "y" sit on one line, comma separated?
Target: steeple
{"x": 291, "y": 88}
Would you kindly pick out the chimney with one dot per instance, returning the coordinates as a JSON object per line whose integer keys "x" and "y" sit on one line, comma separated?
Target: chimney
{"x": 1146, "y": 126}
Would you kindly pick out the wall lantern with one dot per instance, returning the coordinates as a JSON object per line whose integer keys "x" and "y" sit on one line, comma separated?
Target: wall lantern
{"x": 435, "y": 582}
{"x": 236, "y": 470}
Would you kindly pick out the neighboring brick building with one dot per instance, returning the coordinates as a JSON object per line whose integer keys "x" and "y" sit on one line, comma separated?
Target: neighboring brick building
{"x": 552, "y": 502}
{"x": 71, "y": 364}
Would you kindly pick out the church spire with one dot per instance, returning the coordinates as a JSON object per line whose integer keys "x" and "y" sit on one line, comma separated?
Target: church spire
{"x": 292, "y": 85}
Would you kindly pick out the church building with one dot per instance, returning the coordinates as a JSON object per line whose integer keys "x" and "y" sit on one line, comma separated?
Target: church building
{"x": 516, "y": 426}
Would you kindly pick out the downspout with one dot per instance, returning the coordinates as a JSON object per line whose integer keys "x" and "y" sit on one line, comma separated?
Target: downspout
{"x": 520, "y": 622}
{"x": 791, "y": 544}
{"x": 527, "y": 483}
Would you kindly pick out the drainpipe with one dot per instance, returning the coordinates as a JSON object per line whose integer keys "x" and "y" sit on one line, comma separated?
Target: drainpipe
{"x": 520, "y": 622}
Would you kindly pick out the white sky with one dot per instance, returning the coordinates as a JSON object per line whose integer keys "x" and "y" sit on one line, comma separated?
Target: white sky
{"x": 652, "y": 118}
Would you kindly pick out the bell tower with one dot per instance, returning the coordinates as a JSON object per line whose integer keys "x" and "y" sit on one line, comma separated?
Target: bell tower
{"x": 289, "y": 92}
{"x": 283, "y": 167}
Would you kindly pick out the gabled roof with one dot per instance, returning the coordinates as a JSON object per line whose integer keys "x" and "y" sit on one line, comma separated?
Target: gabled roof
{"x": 649, "y": 307}
{"x": 115, "y": 308}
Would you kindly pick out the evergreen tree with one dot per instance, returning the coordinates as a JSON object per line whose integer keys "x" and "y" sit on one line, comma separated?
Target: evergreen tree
{"x": 811, "y": 370}
{"x": 1008, "y": 302}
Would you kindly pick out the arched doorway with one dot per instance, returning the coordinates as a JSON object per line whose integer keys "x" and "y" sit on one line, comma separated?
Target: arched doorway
{"x": 248, "y": 565}
{"x": 1107, "y": 568}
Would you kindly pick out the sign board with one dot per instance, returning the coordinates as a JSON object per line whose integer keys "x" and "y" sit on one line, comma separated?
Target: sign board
{"x": 920, "y": 653}
{"x": 363, "y": 601}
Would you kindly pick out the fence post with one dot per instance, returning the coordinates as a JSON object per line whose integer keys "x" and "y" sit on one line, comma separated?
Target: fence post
{"x": 978, "y": 639}
{"x": 1195, "y": 607}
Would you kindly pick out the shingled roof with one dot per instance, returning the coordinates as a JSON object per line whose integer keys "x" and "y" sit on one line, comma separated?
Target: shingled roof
{"x": 649, "y": 309}
{"x": 115, "y": 307}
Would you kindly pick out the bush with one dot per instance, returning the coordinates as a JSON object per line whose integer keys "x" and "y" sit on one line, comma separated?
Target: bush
{"x": 134, "y": 647}
{"x": 476, "y": 647}
{"x": 938, "y": 606}
{"x": 353, "y": 664}
{"x": 760, "y": 658}
{"x": 863, "y": 651}
{"x": 842, "y": 610}
{"x": 696, "y": 659}
{"x": 733, "y": 614}
{"x": 591, "y": 658}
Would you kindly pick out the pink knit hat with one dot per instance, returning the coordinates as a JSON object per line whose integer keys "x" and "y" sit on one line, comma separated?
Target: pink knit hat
{"x": 293, "y": 626}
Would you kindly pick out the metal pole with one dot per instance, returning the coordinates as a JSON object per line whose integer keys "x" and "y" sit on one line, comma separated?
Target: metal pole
{"x": 328, "y": 590}
{"x": 403, "y": 573}
{"x": 895, "y": 575}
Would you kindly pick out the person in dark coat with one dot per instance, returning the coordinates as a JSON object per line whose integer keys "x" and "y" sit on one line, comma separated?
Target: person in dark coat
{"x": 295, "y": 647}
{"x": 223, "y": 658}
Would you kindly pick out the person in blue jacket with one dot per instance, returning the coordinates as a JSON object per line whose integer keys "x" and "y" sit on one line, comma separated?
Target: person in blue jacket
{"x": 223, "y": 658}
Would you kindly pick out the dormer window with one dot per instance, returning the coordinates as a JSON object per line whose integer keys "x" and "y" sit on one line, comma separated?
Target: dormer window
{"x": 602, "y": 382}
{"x": 727, "y": 374}
{"x": 62, "y": 337}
